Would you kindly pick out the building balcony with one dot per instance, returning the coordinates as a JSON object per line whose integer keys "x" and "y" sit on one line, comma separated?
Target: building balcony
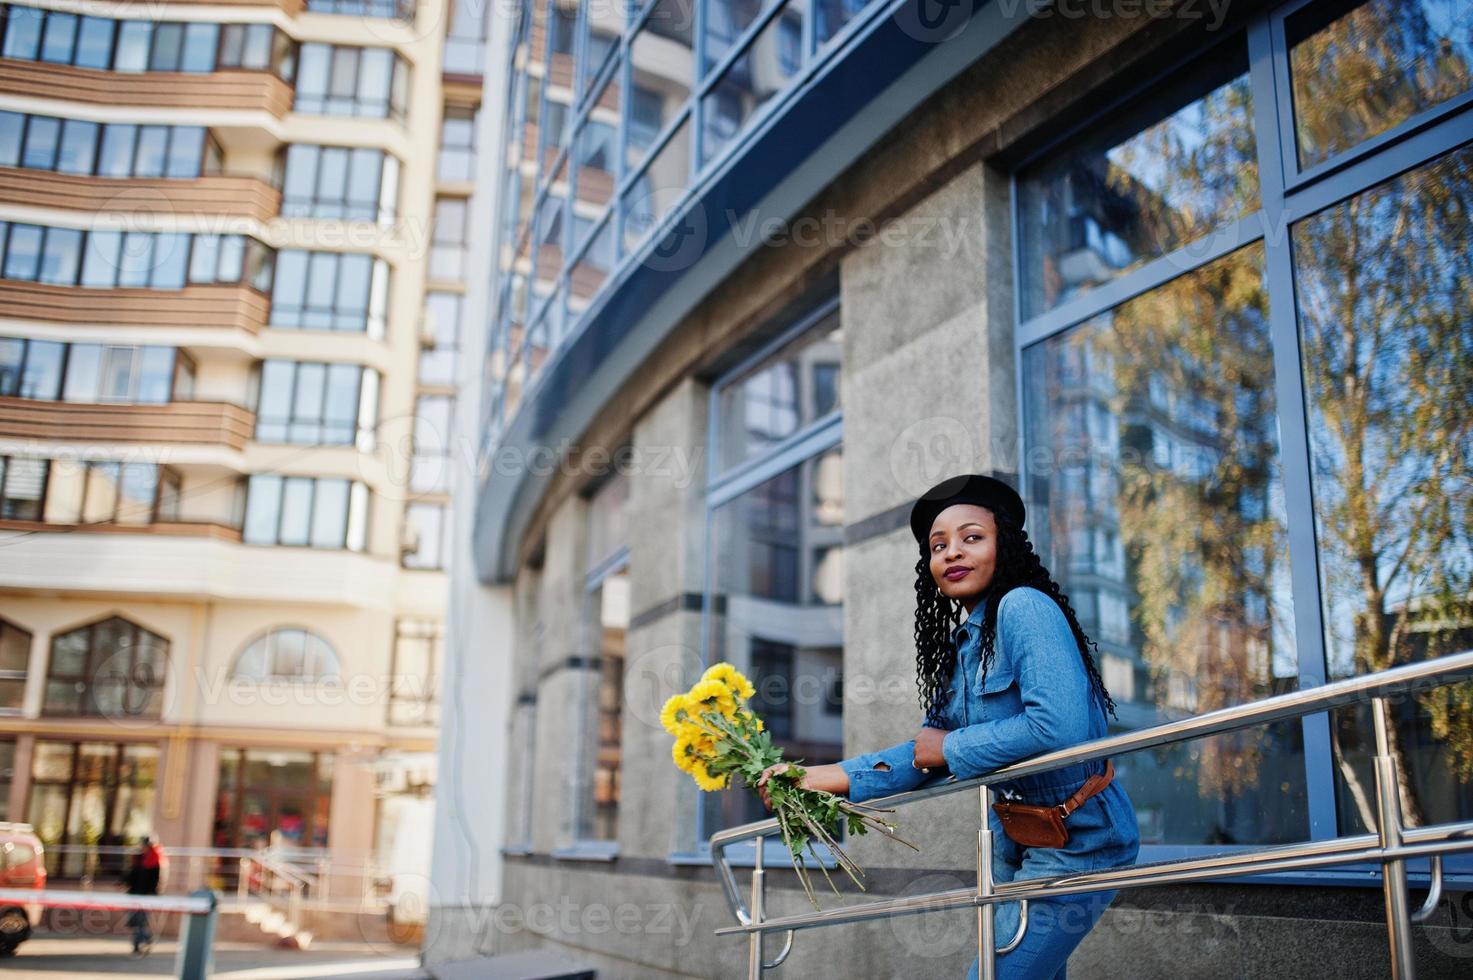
{"x": 175, "y": 423}
{"x": 189, "y": 561}
{"x": 228, "y": 306}
{"x": 229, "y": 89}
{"x": 172, "y": 529}
{"x": 230, "y": 197}
{"x": 289, "y": 7}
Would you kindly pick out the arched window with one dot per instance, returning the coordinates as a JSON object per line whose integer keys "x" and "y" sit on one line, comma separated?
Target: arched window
{"x": 288, "y": 652}
{"x": 15, "y": 655}
{"x": 114, "y": 668}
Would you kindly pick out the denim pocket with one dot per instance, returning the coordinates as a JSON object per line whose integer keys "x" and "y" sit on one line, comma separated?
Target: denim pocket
{"x": 997, "y": 680}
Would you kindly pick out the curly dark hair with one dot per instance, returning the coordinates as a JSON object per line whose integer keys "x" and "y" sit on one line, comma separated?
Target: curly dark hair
{"x": 937, "y": 617}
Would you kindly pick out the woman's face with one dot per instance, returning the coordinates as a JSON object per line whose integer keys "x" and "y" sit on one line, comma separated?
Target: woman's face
{"x": 963, "y": 547}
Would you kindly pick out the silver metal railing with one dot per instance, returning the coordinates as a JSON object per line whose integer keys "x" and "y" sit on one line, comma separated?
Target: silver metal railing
{"x": 1392, "y": 845}
{"x": 194, "y": 958}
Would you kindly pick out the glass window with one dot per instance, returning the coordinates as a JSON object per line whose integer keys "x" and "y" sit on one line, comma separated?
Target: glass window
{"x": 12, "y": 125}
{"x": 414, "y": 683}
{"x": 430, "y": 467}
{"x": 263, "y": 509}
{"x": 292, "y": 654}
{"x": 12, "y": 360}
{"x": 23, "y": 31}
{"x": 186, "y": 151}
{"x": 1384, "y": 331}
{"x": 347, "y": 81}
{"x": 103, "y": 258}
{"x": 83, "y": 790}
{"x": 60, "y": 38}
{"x": 607, "y": 612}
{"x": 41, "y": 378}
{"x": 200, "y": 41}
{"x": 328, "y": 291}
{"x": 654, "y": 192}
{"x": 1153, "y": 179}
{"x": 725, "y": 22}
{"x": 457, "y": 159}
{"x": 15, "y": 659}
{"x": 298, "y": 510}
{"x": 114, "y": 668}
{"x": 442, "y": 316}
{"x": 1399, "y": 56}
{"x": 83, "y": 373}
{"x": 168, "y": 47}
{"x": 23, "y": 252}
{"x": 1161, "y": 414}
{"x": 118, "y": 142}
{"x": 170, "y": 260}
{"x": 152, "y": 151}
{"x": 781, "y": 396}
{"x": 22, "y": 486}
{"x": 42, "y": 137}
{"x": 595, "y": 155}
{"x": 273, "y": 795}
{"x": 465, "y": 40}
{"x": 662, "y": 59}
{"x": 135, "y": 38}
{"x": 337, "y": 182}
{"x": 425, "y": 547}
{"x": 78, "y": 147}
{"x": 311, "y": 403}
{"x": 94, "y": 42}
{"x": 781, "y": 542}
{"x": 62, "y": 256}
{"x": 329, "y": 513}
{"x": 447, "y": 251}
{"x": 752, "y": 80}
{"x": 830, "y": 16}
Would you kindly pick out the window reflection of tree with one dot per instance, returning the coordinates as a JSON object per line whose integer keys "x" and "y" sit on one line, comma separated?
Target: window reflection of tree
{"x": 1384, "y": 298}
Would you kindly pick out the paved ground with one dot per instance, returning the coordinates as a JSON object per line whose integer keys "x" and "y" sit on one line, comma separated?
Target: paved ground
{"x": 42, "y": 958}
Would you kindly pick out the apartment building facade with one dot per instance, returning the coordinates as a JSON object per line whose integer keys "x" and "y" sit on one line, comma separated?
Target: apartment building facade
{"x": 230, "y": 292}
{"x": 1193, "y": 277}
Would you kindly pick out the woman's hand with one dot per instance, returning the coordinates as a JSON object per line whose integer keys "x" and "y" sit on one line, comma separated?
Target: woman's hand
{"x": 928, "y": 748}
{"x": 767, "y": 774}
{"x": 830, "y": 778}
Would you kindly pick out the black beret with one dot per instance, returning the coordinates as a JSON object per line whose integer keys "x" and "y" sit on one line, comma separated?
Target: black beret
{"x": 967, "y": 488}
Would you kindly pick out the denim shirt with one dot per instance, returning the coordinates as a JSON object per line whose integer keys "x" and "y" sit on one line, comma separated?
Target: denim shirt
{"x": 1036, "y": 698}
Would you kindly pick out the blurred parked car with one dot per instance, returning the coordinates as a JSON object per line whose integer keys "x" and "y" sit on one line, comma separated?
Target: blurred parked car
{"x": 21, "y": 866}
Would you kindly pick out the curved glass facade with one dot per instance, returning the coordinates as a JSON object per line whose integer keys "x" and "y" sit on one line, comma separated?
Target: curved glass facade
{"x": 616, "y": 112}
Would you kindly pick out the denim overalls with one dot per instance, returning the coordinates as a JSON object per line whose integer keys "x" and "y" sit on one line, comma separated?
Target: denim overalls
{"x": 1036, "y": 698}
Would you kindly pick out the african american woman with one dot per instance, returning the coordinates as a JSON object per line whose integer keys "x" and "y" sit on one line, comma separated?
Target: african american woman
{"x": 1014, "y": 679}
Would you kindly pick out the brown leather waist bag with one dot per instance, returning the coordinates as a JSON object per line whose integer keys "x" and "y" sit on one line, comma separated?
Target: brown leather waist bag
{"x": 1033, "y": 825}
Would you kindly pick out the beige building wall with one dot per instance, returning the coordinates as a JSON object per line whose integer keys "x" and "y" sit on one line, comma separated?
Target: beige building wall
{"x": 193, "y": 581}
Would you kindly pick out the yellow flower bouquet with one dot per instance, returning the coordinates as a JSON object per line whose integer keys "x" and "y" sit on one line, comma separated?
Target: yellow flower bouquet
{"x": 718, "y": 736}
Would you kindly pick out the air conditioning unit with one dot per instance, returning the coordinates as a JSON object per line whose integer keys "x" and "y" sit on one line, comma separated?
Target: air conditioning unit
{"x": 408, "y": 539}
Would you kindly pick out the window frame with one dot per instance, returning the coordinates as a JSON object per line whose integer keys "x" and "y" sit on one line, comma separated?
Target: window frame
{"x": 90, "y": 661}
{"x": 723, "y": 485}
{"x": 1287, "y": 196}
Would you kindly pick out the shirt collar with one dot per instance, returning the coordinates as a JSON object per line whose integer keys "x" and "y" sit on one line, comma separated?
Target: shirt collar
{"x": 974, "y": 621}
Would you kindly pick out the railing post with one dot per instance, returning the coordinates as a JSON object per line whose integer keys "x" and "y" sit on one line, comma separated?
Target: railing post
{"x": 986, "y": 911}
{"x": 759, "y": 892}
{"x": 196, "y": 957}
{"x": 1389, "y": 827}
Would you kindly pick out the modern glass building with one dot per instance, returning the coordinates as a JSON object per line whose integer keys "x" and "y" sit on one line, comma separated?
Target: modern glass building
{"x": 1195, "y": 280}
